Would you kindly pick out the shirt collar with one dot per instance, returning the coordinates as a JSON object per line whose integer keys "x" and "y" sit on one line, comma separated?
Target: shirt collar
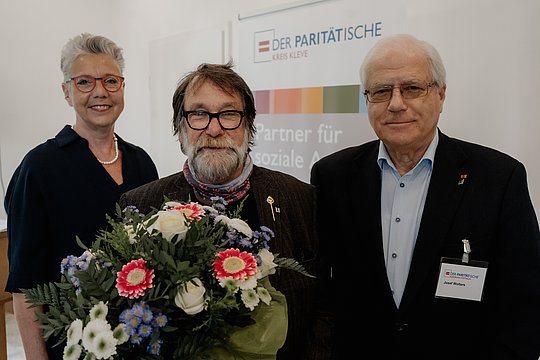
{"x": 429, "y": 155}
{"x": 67, "y": 136}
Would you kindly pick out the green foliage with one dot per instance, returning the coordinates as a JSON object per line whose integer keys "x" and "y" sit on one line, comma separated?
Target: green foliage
{"x": 174, "y": 262}
{"x": 291, "y": 264}
{"x": 59, "y": 308}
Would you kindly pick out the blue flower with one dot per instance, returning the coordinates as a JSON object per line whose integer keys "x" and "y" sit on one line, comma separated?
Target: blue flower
{"x": 159, "y": 321}
{"x": 147, "y": 316}
{"x": 138, "y": 310}
{"x": 135, "y": 338}
{"x": 144, "y": 330}
{"x": 153, "y": 323}
{"x": 154, "y": 348}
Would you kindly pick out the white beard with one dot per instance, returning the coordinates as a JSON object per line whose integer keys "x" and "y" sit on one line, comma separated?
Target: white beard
{"x": 214, "y": 167}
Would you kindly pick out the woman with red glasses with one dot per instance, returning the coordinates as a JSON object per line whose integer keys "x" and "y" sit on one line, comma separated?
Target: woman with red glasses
{"x": 64, "y": 187}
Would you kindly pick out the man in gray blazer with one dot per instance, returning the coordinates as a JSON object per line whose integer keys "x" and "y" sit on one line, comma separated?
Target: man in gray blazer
{"x": 440, "y": 238}
{"x": 218, "y": 164}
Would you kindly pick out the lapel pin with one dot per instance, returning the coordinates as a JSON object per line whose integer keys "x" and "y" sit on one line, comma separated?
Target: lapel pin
{"x": 270, "y": 201}
{"x": 462, "y": 179}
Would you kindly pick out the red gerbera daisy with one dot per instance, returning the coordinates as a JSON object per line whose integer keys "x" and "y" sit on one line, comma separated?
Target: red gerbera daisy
{"x": 236, "y": 264}
{"x": 192, "y": 211}
{"x": 134, "y": 278}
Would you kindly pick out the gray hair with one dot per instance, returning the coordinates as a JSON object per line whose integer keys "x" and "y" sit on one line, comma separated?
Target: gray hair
{"x": 86, "y": 43}
{"x": 406, "y": 42}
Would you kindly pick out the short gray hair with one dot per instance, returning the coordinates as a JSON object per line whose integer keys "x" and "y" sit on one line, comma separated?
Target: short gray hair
{"x": 406, "y": 41}
{"x": 86, "y": 43}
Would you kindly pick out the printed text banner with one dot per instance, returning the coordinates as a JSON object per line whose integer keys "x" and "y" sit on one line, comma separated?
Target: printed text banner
{"x": 303, "y": 66}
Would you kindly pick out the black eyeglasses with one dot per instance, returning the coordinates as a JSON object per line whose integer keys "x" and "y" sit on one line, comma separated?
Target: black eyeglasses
{"x": 200, "y": 119}
{"x": 87, "y": 83}
{"x": 408, "y": 91}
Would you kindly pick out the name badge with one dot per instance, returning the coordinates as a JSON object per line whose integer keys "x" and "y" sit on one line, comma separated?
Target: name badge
{"x": 460, "y": 280}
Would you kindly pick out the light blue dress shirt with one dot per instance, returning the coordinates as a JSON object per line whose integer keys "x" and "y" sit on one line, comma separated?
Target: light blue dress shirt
{"x": 402, "y": 204}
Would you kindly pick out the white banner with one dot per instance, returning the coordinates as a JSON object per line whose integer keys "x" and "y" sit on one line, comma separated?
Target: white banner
{"x": 302, "y": 64}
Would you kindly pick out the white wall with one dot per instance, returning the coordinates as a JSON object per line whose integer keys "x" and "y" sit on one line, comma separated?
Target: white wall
{"x": 490, "y": 48}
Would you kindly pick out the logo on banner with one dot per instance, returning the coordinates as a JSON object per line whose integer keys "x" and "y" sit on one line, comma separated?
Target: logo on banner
{"x": 263, "y": 42}
{"x": 269, "y": 47}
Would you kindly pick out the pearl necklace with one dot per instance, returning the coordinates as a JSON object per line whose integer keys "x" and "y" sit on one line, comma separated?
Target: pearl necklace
{"x": 115, "y": 152}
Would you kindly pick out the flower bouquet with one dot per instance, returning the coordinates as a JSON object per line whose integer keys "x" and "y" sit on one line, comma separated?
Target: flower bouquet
{"x": 183, "y": 282}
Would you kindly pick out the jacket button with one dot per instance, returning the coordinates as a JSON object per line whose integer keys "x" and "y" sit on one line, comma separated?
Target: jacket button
{"x": 400, "y": 326}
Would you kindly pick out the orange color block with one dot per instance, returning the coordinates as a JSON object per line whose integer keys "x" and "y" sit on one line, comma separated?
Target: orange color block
{"x": 312, "y": 100}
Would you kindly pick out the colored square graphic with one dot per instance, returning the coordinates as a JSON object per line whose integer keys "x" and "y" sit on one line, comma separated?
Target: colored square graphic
{"x": 341, "y": 99}
{"x": 346, "y": 99}
{"x": 288, "y": 101}
{"x": 262, "y": 101}
{"x": 312, "y": 100}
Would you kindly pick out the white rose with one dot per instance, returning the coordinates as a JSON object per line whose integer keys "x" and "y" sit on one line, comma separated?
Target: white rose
{"x": 190, "y": 297}
{"x": 267, "y": 266}
{"x": 241, "y": 226}
{"x": 237, "y": 224}
{"x": 170, "y": 204}
{"x": 170, "y": 223}
{"x": 222, "y": 218}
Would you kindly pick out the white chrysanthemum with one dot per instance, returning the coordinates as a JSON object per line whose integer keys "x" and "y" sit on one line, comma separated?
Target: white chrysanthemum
{"x": 99, "y": 311}
{"x": 120, "y": 334}
{"x": 230, "y": 284}
{"x": 264, "y": 295}
{"x": 249, "y": 283}
{"x": 250, "y": 298}
{"x": 91, "y": 330}
{"x": 89, "y": 356}
{"x": 131, "y": 233}
{"x": 267, "y": 267}
{"x": 74, "y": 333}
{"x": 104, "y": 345}
{"x": 72, "y": 352}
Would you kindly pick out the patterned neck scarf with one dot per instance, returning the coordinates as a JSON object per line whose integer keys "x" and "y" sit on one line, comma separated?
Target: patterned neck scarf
{"x": 231, "y": 191}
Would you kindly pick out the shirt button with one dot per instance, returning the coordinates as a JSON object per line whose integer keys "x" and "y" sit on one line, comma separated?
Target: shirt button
{"x": 398, "y": 219}
{"x": 401, "y": 185}
{"x": 394, "y": 255}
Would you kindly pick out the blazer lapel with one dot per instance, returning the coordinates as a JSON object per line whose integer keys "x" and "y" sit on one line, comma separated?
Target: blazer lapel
{"x": 446, "y": 188}
{"x": 267, "y": 199}
{"x": 367, "y": 208}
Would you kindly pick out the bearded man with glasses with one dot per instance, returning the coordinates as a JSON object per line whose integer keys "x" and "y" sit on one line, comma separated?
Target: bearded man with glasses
{"x": 214, "y": 118}
{"x": 442, "y": 239}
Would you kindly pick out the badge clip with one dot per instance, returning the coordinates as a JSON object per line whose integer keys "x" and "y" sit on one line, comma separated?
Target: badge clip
{"x": 466, "y": 251}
